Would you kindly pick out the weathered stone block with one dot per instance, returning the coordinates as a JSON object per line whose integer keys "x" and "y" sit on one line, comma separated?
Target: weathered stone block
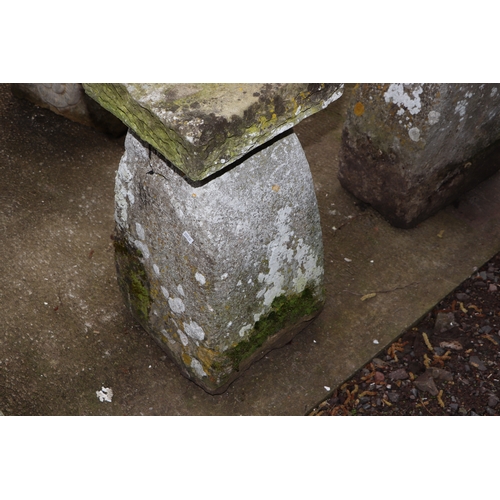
{"x": 69, "y": 100}
{"x": 203, "y": 128}
{"x": 410, "y": 149}
{"x": 219, "y": 272}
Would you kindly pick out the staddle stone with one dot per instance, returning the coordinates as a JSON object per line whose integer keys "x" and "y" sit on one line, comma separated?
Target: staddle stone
{"x": 219, "y": 272}
{"x": 409, "y": 149}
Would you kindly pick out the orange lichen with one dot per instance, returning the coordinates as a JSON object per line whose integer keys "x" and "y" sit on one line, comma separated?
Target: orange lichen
{"x": 359, "y": 108}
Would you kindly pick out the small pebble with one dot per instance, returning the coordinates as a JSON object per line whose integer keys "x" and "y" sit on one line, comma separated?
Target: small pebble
{"x": 394, "y": 397}
{"x": 444, "y": 322}
{"x": 493, "y": 401}
{"x": 378, "y": 363}
{"x": 400, "y": 374}
{"x": 477, "y": 363}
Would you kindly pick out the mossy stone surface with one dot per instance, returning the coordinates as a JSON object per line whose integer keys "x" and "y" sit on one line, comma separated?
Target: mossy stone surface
{"x": 285, "y": 311}
{"x": 132, "y": 279}
{"x": 410, "y": 149}
{"x": 203, "y": 128}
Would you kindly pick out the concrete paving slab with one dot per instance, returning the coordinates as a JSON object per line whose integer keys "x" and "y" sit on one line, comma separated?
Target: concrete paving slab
{"x": 65, "y": 333}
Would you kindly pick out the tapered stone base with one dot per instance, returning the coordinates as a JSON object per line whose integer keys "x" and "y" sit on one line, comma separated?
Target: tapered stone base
{"x": 222, "y": 271}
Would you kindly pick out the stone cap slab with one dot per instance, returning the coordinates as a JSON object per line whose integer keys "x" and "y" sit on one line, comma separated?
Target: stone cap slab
{"x": 204, "y": 127}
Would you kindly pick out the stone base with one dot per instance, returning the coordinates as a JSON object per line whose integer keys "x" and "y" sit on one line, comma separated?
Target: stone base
{"x": 71, "y": 101}
{"x": 221, "y": 271}
{"x": 410, "y": 149}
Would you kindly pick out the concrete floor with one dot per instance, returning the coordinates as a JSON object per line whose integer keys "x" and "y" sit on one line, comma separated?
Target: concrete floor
{"x": 65, "y": 333}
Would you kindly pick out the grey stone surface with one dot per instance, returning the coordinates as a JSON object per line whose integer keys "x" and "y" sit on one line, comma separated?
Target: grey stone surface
{"x": 69, "y": 100}
{"x": 203, "y": 128}
{"x": 219, "y": 272}
{"x": 410, "y": 149}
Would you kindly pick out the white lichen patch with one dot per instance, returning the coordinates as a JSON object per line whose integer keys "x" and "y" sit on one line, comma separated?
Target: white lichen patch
{"x": 194, "y": 330}
{"x": 396, "y": 93}
{"x": 278, "y": 255}
{"x": 494, "y": 91}
{"x": 156, "y": 270}
{"x": 143, "y": 248}
{"x": 140, "y": 231}
{"x": 123, "y": 193}
{"x": 176, "y": 305}
{"x": 245, "y": 329}
{"x": 302, "y": 257}
{"x": 414, "y": 134}
{"x": 168, "y": 336}
{"x": 165, "y": 292}
{"x": 181, "y": 290}
{"x": 309, "y": 269}
{"x": 200, "y": 278}
{"x": 198, "y": 368}
{"x": 433, "y": 117}
{"x": 461, "y": 108}
{"x": 182, "y": 336}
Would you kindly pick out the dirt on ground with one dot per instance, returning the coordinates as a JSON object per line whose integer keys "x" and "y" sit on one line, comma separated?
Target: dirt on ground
{"x": 448, "y": 364}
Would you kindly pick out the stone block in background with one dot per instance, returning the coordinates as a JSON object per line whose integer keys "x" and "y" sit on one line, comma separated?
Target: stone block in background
{"x": 71, "y": 101}
{"x": 410, "y": 149}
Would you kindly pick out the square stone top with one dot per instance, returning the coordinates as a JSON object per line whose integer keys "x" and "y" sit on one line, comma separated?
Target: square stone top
{"x": 204, "y": 127}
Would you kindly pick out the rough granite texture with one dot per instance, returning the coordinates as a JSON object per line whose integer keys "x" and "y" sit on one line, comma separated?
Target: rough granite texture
{"x": 410, "y": 149}
{"x": 219, "y": 272}
{"x": 202, "y": 128}
{"x": 69, "y": 100}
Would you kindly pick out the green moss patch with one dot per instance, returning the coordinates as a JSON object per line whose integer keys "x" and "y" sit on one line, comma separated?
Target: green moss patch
{"x": 285, "y": 311}
{"x": 132, "y": 279}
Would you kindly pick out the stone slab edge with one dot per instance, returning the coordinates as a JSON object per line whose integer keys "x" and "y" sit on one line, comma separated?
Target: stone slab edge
{"x": 203, "y": 128}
